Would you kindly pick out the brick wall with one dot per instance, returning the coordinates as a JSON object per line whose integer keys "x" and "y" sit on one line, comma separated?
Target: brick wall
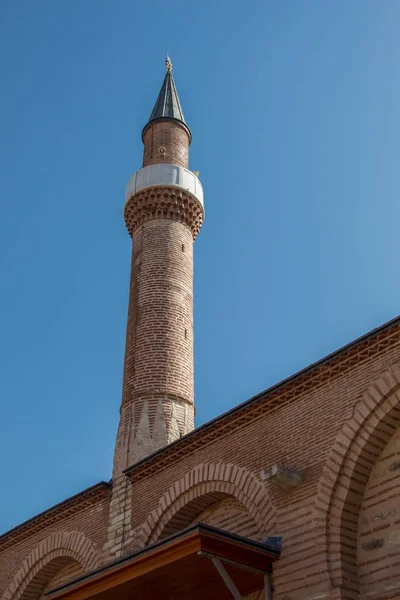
{"x": 299, "y": 432}
{"x": 342, "y": 418}
{"x": 231, "y": 515}
{"x": 166, "y": 142}
{"x": 75, "y": 538}
{"x": 70, "y": 571}
{"x": 158, "y": 372}
{"x": 379, "y": 523}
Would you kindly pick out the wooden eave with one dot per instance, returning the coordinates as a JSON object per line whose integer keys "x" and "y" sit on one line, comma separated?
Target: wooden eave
{"x": 55, "y": 513}
{"x": 180, "y": 566}
{"x": 336, "y": 364}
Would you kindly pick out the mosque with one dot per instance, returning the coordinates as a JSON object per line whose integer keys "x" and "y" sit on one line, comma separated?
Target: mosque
{"x": 292, "y": 495}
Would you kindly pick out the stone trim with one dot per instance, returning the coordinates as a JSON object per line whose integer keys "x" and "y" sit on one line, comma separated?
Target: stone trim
{"x": 73, "y": 544}
{"x": 345, "y": 475}
{"x": 204, "y": 479}
{"x": 163, "y": 203}
{"x": 119, "y": 531}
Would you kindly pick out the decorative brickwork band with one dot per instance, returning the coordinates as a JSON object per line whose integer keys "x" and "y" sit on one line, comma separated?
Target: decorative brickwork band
{"x": 341, "y": 489}
{"x": 211, "y": 483}
{"x": 46, "y": 558}
{"x": 164, "y": 203}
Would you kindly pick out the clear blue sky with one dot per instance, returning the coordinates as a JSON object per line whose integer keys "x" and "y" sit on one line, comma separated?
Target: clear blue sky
{"x": 294, "y": 108}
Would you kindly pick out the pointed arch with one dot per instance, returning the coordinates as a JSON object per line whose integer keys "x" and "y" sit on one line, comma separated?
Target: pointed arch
{"x": 345, "y": 475}
{"x": 47, "y": 557}
{"x": 210, "y": 482}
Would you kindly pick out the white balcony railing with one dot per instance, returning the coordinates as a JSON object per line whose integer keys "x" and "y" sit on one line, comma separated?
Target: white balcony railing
{"x": 165, "y": 175}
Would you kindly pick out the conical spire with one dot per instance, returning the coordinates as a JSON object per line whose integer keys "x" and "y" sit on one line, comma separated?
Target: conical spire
{"x": 167, "y": 105}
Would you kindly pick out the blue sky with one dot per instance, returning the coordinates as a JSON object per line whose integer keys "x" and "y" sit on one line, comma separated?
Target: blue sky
{"x": 293, "y": 106}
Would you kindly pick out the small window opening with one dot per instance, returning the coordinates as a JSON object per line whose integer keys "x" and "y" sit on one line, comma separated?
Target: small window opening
{"x": 185, "y": 334}
{"x": 183, "y": 247}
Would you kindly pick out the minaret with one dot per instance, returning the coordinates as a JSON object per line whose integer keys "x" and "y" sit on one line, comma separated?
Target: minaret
{"x": 163, "y": 214}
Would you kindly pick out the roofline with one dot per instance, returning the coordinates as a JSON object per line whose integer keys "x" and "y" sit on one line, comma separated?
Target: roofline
{"x": 262, "y": 395}
{"x": 100, "y": 486}
{"x": 104, "y": 485}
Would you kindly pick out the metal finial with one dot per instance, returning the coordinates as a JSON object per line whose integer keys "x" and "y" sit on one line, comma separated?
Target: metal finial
{"x": 168, "y": 64}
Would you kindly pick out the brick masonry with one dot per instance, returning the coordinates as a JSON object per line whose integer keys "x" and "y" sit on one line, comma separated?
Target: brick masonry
{"x": 166, "y": 142}
{"x": 158, "y": 385}
{"x": 339, "y": 526}
{"x": 378, "y": 550}
{"x": 33, "y": 557}
{"x": 158, "y": 374}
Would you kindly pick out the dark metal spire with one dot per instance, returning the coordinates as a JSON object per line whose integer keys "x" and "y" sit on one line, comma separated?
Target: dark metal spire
{"x": 168, "y": 105}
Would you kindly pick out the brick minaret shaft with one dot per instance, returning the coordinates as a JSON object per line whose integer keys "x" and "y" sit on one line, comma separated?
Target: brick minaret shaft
{"x": 163, "y": 213}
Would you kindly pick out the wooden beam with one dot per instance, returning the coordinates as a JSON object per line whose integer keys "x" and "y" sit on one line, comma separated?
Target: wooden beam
{"x": 267, "y": 587}
{"x": 228, "y": 581}
{"x": 234, "y": 563}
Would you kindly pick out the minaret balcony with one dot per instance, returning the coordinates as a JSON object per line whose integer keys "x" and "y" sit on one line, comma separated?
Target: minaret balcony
{"x": 165, "y": 175}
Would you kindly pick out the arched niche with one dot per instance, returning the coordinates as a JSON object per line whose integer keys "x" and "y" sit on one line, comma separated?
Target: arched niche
{"x": 54, "y": 573}
{"x": 58, "y": 552}
{"x": 378, "y": 543}
{"x": 231, "y": 515}
{"x": 346, "y": 473}
{"x": 206, "y": 485}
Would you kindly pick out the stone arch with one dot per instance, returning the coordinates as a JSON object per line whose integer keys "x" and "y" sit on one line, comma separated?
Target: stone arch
{"x": 197, "y": 489}
{"x": 345, "y": 475}
{"x": 50, "y": 555}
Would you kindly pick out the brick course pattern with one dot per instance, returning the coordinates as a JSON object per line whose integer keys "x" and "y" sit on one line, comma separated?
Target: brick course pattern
{"x": 378, "y": 549}
{"x": 303, "y": 431}
{"x": 339, "y": 526}
{"x": 70, "y": 571}
{"x": 158, "y": 384}
{"x": 202, "y": 487}
{"x": 70, "y": 529}
{"x": 353, "y": 459}
{"x": 166, "y": 142}
{"x": 231, "y": 515}
{"x": 48, "y": 557}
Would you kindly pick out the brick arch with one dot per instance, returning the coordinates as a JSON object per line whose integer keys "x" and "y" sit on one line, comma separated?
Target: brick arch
{"x": 50, "y": 555}
{"x": 211, "y": 483}
{"x": 346, "y": 472}
{"x": 192, "y": 503}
